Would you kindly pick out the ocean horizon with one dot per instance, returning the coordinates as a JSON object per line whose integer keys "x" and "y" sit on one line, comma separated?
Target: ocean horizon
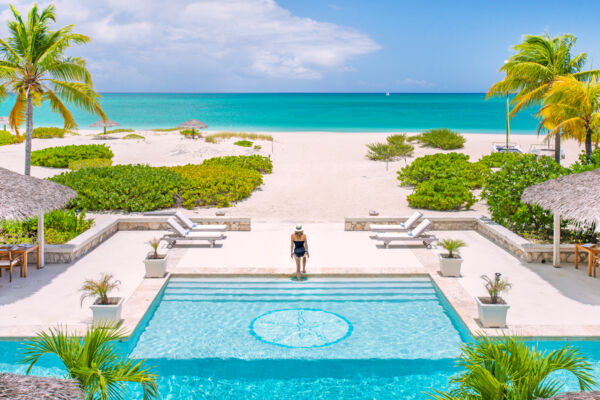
{"x": 330, "y": 112}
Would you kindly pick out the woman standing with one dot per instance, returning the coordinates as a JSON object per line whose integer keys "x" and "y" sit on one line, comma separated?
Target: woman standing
{"x": 299, "y": 250}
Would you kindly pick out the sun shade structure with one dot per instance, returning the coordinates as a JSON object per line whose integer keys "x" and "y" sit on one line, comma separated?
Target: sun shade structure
{"x": 193, "y": 124}
{"x": 27, "y": 387}
{"x": 574, "y": 197}
{"x": 104, "y": 124}
{"x": 4, "y": 121}
{"x": 23, "y": 197}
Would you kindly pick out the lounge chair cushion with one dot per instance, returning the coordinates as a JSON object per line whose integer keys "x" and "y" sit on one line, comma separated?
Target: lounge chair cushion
{"x": 176, "y": 227}
{"x": 186, "y": 221}
{"x": 418, "y": 231}
{"x": 411, "y": 221}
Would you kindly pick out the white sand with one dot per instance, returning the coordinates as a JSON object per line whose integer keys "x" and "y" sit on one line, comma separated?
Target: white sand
{"x": 317, "y": 177}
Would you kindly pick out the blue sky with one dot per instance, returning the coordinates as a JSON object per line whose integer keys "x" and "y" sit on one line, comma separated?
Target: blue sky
{"x": 311, "y": 45}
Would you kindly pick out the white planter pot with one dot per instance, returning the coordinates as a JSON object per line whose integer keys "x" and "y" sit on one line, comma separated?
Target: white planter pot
{"x": 105, "y": 313}
{"x": 156, "y": 268}
{"x": 492, "y": 315}
{"x": 450, "y": 266}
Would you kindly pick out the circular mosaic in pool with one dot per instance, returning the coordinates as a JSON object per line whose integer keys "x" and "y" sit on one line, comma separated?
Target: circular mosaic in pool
{"x": 301, "y": 328}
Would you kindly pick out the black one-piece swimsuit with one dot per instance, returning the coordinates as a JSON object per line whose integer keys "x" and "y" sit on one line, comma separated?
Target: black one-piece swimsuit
{"x": 299, "y": 249}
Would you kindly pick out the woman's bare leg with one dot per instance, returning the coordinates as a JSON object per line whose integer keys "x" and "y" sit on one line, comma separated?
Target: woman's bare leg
{"x": 298, "y": 274}
{"x": 304, "y": 264}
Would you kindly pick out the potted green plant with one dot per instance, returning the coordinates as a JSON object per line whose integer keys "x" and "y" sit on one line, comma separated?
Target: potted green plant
{"x": 156, "y": 264}
{"x": 493, "y": 309}
{"x": 105, "y": 309}
{"x": 450, "y": 263}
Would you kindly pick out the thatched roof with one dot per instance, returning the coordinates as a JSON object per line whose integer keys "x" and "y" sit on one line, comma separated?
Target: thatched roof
{"x": 576, "y": 396}
{"x": 4, "y": 121}
{"x": 193, "y": 123}
{"x": 575, "y": 197}
{"x": 27, "y": 387}
{"x": 23, "y": 197}
{"x": 104, "y": 124}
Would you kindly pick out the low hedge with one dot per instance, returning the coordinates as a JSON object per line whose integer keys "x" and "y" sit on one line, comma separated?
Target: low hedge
{"x": 60, "y": 157}
{"x": 90, "y": 163}
{"x": 7, "y": 138}
{"x": 441, "y": 138}
{"x": 443, "y": 166}
{"x": 498, "y": 159}
{"x": 262, "y": 164}
{"x": 442, "y": 194}
{"x": 48, "y": 133}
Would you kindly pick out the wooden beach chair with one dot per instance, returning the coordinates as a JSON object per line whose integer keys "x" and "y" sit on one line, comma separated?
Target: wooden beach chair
{"x": 179, "y": 234}
{"x": 8, "y": 260}
{"x": 417, "y": 234}
{"x": 194, "y": 227}
{"x": 404, "y": 226}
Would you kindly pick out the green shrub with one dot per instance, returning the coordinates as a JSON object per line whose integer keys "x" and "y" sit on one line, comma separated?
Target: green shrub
{"x": 257, "y": 147}
{"x": 395, "y": 147}
{"x": 60, "y": 157}
{"x": 122, "y": 187}
{"x": 443, "y": 166}
{"x": 217, "y": 137}
{"x": 133, "y": 136}
{"x": 60, "y": 226}
{"x": 441, "y": 138}
{"x": 583, "y": 165}
{"x": 188, "y": 132}
{"x": 498, "y": 159}
{"x": 243, "y": 143}
{"x": 119, "y": 130}
{"x": 164, "y": 129}
{"x": 8, "y": 138}
{"x": 441, "y": 194}
{"x": 90, "y": 163}
{"x": 48, "y": 133}
{"x": 262, "y": 164}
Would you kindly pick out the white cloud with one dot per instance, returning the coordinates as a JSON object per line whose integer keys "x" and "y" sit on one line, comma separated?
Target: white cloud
{"x": 227, "y": 39}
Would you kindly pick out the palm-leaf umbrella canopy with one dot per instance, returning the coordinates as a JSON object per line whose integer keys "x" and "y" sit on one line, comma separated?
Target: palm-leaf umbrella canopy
{"x": 193, "y": 124}
{"x": 104, "y": 123}
{"x": 27, "y": 387}
{"x": 574, "y": 197}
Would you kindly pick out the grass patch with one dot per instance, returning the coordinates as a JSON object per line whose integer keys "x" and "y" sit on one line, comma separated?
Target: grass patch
{"x": 164, "y": 129}
{"x": 443, "y": 138}
{"x": 120, "y": 130}
{"x": 188, "y": 132}
{"x": 133, "y": 136}
{"x": 48, "y": 133}
{"x": 217, "y": 137}
{"x": 243, "y": 143}
{"x": 7, "y": 138}
{"x": 395, "y": 147}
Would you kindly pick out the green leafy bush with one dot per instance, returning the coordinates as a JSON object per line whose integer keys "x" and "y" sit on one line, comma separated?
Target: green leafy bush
{"x": 60, "y": 226}
{"x": 122, "y": 187}
{"x": 48, "y": 133}
{"x": 262, "y": 164}
{"x": 257, "y": 147}
{"x": 90, "y": 163}
{"x": 119, "y": 130}
{"x": 443, "y": 166}
{"x": 243, "y": 143}
{"x": 440, "y": 138}
{"x": 396, "y": 146}
{"x": 60, "y": 157}
{"x": 583, "y": 165}
{"x": 441, "y": 194}
{"x": 188, "y": 132}
{"x": 133, "y": 136}
{"x": 498, "y": 159}
{"x": 8, "y": 138}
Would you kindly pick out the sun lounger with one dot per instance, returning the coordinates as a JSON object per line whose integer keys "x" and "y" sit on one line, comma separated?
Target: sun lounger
{"x": 194, "y": 227}
{"x": 397, "y": 227}
{"x": 180, "y": 234}
{"x": 417, "y": 234}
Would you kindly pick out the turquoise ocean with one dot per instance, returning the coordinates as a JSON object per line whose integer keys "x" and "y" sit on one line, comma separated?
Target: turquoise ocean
{"x": 347, "y": 112}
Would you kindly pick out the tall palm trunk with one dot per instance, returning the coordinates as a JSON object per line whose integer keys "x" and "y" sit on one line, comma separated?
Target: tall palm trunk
{"x": 588, "y": 143}
{"x": 557, "y": 149}
{"x": 28, "y": 134}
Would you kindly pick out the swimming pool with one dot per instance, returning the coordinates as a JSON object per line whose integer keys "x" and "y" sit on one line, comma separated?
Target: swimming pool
{"x": 275, "y": 338}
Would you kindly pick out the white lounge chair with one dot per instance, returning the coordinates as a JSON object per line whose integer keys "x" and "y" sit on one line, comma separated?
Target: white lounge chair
{"x": 181, "y": 234}
{"x": 404, "y": 226}
{"x": 416, "y": 234}
{"x": 194, "y": 227}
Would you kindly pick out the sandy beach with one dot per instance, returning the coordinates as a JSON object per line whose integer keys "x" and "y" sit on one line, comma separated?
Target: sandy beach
{"x": 317, "y": 176}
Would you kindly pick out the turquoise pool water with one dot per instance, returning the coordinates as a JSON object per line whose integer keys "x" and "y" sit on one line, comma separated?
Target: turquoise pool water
{"x": 279, "y": 339}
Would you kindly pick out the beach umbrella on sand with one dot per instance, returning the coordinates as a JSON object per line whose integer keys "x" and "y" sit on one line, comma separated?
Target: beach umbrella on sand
{"x": 193, "y": 124}
{"x": 25, "y": 387}
{"x": 23, "y": 197}
{"x": 104, "y": 124}
{"x": 574, "y": 197}
{"x": 4, "y": 121}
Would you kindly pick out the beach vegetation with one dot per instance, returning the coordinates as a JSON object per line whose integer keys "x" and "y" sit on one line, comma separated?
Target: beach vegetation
{"x": 498, "y": 159}
{"x": 262, "y": 164}
{"x": 509, "y": 368}
{"x": 395, "y": 146}
{"x": 243, "y": 143}
{"x": 443, "y": 166}
{"x": 257, "y": 147}
{"x": 7, "y": 138}
{"x": 89, "y": 163}
{"x": 133, "y": 136}
{"x": 36, "y": 69}
{"x": 217, "y": 137}
{"x": 60, "y": 226}
{"x": 95, "y": 361}
{"x": 48, "y": 133}
{"x": 442, "y": 194}
{"x": 585, "y": 164}
{"x": 188, "y": 132}
{"x": 165, "y": 129}
{"x": 118, "y": 130}
{"x": 443, "y": 138}
{"x": 61, "y": 156}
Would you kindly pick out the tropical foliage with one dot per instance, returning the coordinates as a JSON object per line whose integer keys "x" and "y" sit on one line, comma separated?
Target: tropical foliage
{"x": 8, "y": 138}
{"x": 33, "y": 65}
{"x": 133, "y": 136}
{"x": 452, "y": 246}
{"x": 510, "y": 369}
{"x": 441, "y": 138}
{"x": 442, "y": 194}
{"x": 189, "y": 132}
{"x": 94, "y": 361}
{"x": 48, "y": 133}
{"x": 495, "y": 286}
{"x": 262, "y": 164}
{"x": 243, "y": 143}
{"x": 60, "y": 226}
{"x": 89, "y": 163}
{"x": 394, "y": 147}
{"x": 498, "y": 159}
{"x": 585, "y": 164}
{"x": 217, "y": 137}
{"x": 60, "y": 157}
{"x": 443, "y": 166}
{"x": 99, "y": 289}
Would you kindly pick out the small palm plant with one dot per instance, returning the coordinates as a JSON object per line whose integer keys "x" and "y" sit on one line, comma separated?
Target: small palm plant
{"x": 508, "y": 368}
{"x": 154, "y": 244}
{"x": 99, "y": 289}
{"x": 495, "y": 286}
{"x": 452, "y": 245}
{"x": 94, "y": 361}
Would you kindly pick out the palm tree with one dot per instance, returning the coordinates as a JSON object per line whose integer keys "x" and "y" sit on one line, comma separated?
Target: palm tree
{"x": 573, "y": 108}
{"x": 540, "y": 60}
{"x": 34, "y": 67}
{"x": 94, "y": 362}
{"x": 509, "y": 369}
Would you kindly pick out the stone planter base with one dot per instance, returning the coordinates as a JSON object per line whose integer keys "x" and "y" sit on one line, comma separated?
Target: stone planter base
{"x": 156, "y": 268}
{"x": 492, "y": 315}
{"x": 450, "y": 266}
{"x": 107, "y": 313}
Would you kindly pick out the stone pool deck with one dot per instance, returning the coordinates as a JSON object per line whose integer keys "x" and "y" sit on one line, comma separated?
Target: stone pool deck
{"x": 545, "y": 301}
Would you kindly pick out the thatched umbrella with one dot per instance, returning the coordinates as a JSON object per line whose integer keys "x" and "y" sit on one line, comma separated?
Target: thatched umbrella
{"x": 23, "y": 197}
{"x": 4, "y": 121}
{"x": 574, "y": 197}
{"x": 104, "y": 124}
{"x": 27, "y": 387}
{"x": 193, "y": 124}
